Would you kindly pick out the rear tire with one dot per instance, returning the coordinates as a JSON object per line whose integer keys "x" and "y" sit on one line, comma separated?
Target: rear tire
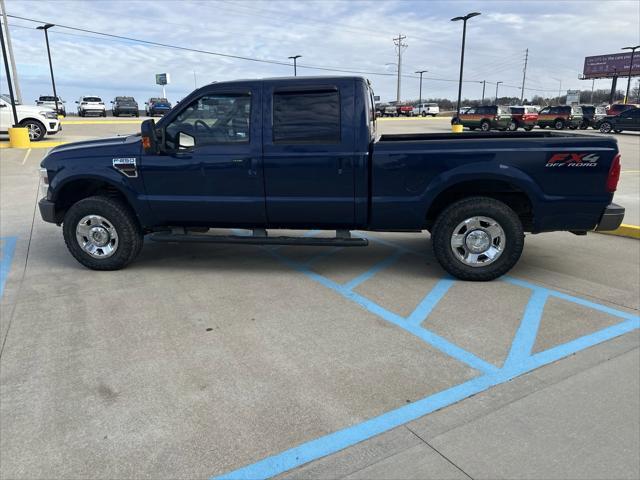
{"x": 513, "y": 126}
{"x": 424, "y": 114}
{"x": 121, "y": 239}
{"x": 494, "y": 221}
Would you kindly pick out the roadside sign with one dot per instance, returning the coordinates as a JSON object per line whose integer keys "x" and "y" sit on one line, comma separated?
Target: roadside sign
{"x": 162, "y": 78}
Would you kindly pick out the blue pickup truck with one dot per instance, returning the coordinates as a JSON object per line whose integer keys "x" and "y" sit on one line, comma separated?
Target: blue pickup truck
{"x": 303, "y": 153}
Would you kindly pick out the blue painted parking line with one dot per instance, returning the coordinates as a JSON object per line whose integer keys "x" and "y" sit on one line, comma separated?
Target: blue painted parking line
{"x": 520, "y": 360}
{"x": 373, "y": 270}
{"x": 8, "y": 247}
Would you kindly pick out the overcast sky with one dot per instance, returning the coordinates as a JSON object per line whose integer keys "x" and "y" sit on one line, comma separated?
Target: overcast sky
{"x": 350, "y": 35}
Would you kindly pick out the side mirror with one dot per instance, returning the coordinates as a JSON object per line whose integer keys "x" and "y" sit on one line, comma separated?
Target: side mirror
{"x": 111, "y": 101}
{"x": 185, "y": 141}
{"x": 77, "y": 101}
{"x": 148, "y": 134}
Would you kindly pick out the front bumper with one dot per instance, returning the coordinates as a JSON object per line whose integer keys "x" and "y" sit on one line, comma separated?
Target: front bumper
{"x": 611, "y": 218}
{"x": 47, "y": 210}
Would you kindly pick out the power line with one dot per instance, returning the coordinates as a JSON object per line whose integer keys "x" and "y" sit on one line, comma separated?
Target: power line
{"x": 227, "y": 55}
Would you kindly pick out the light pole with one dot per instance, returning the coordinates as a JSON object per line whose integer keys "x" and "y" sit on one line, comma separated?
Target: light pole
{"x": 295, "y": 65}
{"x": 46, "y": 28}
{"x": 420, "y": 94}
{"x": 9, "y": 79}
{"x": 484, "y": 84}
{"x": 464, "y": 35}
{"x": 633, "y": 51}
{"x": 497, "y": 85}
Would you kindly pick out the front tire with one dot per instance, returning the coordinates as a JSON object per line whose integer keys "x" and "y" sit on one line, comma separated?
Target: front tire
{"x": 485, "y": 126}
{"x": 606, "y": 127}
{"x": 102, "y": 233}
{"x": 477, "y": 239}
{"x": 37, "y": 130}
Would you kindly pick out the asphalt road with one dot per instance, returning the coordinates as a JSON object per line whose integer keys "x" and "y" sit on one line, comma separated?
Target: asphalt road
{"x": 249, "y": 362}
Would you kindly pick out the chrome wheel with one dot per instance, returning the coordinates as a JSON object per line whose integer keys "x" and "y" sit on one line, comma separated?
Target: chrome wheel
{"x": 97, "y": 236}
{"x": 36, "y": 131}
{"x": 605, "y": 127}
{"x": 478, "y": 241}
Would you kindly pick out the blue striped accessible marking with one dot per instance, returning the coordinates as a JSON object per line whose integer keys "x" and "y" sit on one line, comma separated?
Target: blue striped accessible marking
{"x": 8, "y": 246}
{"x": 519, "y": 360}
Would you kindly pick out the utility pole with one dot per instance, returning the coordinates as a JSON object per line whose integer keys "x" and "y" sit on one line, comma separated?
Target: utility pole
{"x": 524, "y": 74}
{"x": 400, "y": 46}
{"x": 497, "y": 84}
{"x": 420, "y": 94}
{"x": 9, "y": 47}
{"x": 195, "y": 80}
{"x": 593, "y": 83}
{"x": 633, "y": 51}
{"x": 484, "y": 84}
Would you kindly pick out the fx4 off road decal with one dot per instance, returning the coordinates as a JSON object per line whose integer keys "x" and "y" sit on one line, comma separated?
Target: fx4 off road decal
{"x": 127, "y": 166}
{"x": 573, "y": 160}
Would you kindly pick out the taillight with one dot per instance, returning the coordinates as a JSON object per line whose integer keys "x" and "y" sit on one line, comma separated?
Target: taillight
{"x": 614, "y": 174}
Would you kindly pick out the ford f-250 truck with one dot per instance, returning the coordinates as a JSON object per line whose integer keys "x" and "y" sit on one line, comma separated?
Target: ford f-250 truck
{"x": 303, "y": 153}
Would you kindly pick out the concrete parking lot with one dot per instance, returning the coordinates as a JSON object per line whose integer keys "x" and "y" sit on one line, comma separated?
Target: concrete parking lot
{"x": 249, "y": 362}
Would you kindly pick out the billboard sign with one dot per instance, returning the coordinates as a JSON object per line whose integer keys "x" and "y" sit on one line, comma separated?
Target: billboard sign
{"x": 603, "y": 66}
{"x": 162, "y": 78}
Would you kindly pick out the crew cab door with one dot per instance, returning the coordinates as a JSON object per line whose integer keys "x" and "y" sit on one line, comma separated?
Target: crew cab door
{"x": 210, "y": 173}
{"x": 630, "y": 119}
{"x": 309, "y": 157}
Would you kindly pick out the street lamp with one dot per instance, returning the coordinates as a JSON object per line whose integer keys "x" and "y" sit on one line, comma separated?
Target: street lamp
{"x": 484, "y": 84}
{"x": 420, "y": 95}
{"x": 10, "y": 81}
{"x": 464, "y": 34}
{"x": 497, "y": 84}
{"x": 633, "y": 51}
{"x": 46, "y": 28}
{"x": 295, "y": 69}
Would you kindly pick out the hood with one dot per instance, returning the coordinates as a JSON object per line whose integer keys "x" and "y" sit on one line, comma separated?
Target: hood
{"x": 32, "y": 109}
{"x": 90, "y": 144}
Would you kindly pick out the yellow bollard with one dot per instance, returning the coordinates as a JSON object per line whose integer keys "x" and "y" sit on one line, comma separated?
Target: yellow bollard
{"x": 456, "y": 128}
{"x": 19, "y": 137}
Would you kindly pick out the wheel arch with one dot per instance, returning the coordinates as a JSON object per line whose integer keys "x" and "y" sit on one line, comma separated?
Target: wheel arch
{"x": 503, "y": 189}
{"x": 74, "y": 190}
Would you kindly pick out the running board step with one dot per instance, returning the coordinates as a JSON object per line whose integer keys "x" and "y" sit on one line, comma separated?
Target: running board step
{"x": 261, "y": 240}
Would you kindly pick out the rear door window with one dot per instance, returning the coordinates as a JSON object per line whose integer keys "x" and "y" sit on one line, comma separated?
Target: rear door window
{"x": 301, "y": 117}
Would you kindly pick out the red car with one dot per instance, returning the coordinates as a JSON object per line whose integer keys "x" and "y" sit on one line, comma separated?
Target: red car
{"x": 618, "y": 108}
{"x": 406, "y": 110}
{"x": 524, "y": 117}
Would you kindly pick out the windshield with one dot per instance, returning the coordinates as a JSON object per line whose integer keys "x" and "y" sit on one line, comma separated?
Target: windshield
{"x": 47, "y": 98}
{"x": 7, "y": 99}
{"x": 91, "y": 99}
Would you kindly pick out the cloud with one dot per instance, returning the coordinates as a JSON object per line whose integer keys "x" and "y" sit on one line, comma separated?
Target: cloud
{"x": 355, "y": 35}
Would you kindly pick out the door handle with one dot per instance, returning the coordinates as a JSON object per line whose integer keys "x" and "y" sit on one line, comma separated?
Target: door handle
{"x": 251, "y": 164}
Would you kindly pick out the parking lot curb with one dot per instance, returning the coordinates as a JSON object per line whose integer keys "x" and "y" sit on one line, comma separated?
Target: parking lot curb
{"x": 629, "y": 231}
{"x": 99, "y": 122}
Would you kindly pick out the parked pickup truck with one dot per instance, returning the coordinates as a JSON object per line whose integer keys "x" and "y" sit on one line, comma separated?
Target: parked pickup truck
{"x": 303, "y": 153}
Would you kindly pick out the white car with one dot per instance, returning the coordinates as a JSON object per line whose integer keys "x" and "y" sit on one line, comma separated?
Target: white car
{"x": 39, "y": 120}
{"x": 91, "y": 105}
{"x": 425, "y": 109}
{"x": 49, "y": 101}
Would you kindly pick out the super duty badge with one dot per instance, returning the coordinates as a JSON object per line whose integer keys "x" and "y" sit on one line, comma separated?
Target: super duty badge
{"x": 127, "y": 166}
